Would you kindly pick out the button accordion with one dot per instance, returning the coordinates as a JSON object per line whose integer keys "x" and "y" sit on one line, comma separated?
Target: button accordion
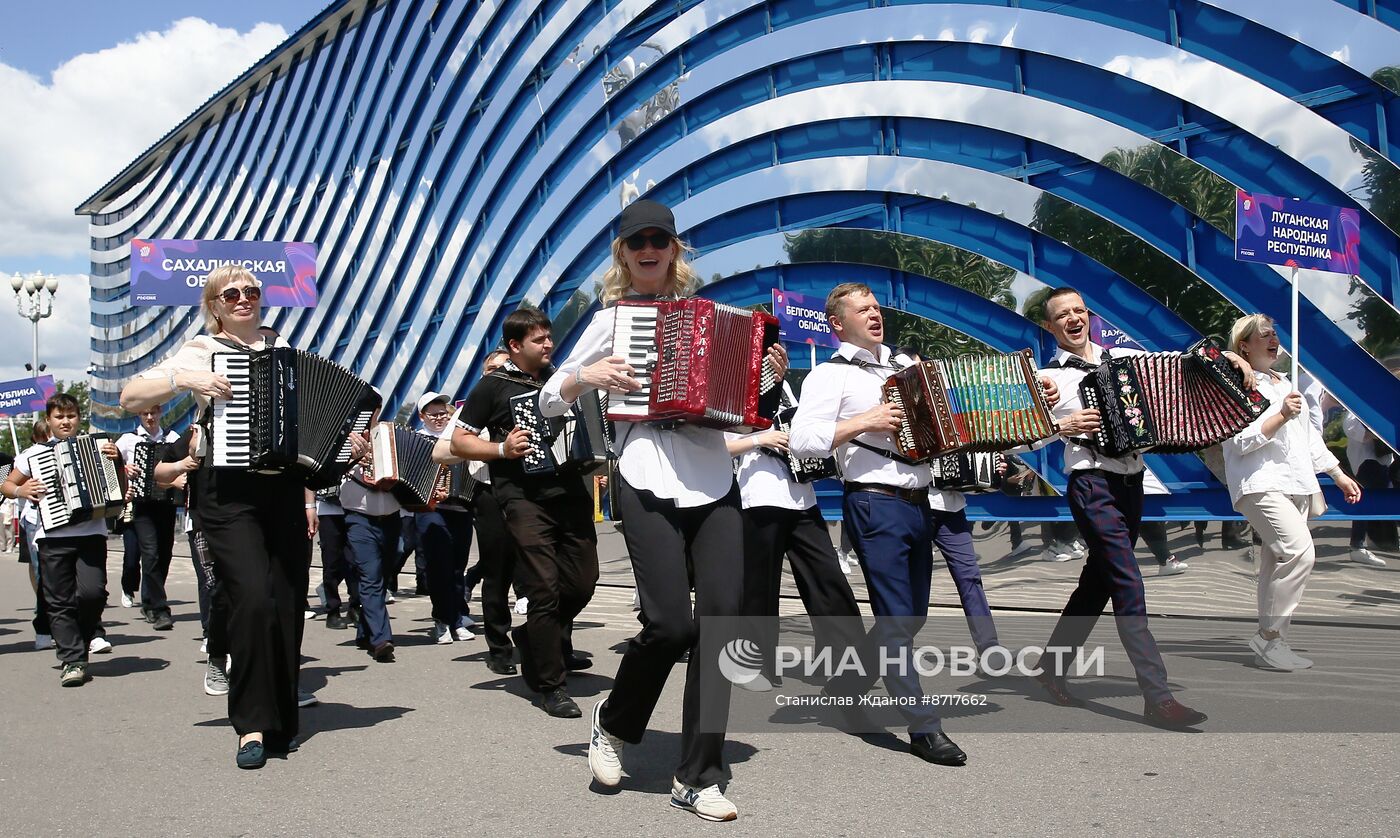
{"x": 457, "y": 482}
{"x": 290, "y": 411}
{"x": 578, "y": 442}
{"x": 699, "y": 361}
{"x": 82, "y": 484}
{"x": 401, "y": 462}
{"x": 967, "y": 471}
{"x": 802, "y": 469}
{"x": 970, "y": 403}
{"x": 145, "y": 457}
{"x": 1169, "y": 402}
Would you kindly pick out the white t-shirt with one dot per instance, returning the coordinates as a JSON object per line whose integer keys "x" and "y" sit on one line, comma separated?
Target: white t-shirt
{"x": 96, "y": 526}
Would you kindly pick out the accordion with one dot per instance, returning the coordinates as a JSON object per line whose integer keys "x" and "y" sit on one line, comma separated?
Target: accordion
{"x": 290, "y": 411}
{"x": 967, "y": 471}
{"x": 698, "y": 361}
{"x": 971, "y": 403}
{"x": 1168, "y": 402}
{"x": 401, "y": 462}
{"x": 457, "y": 482}
{"x": 145, "y": 457}
{"x": 576, "y": 442}
{"x": 802, "y": 469}
{"x": 83, "y": 485}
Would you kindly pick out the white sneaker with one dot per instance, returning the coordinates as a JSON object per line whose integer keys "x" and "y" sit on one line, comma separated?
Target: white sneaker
{"x": 1361, "y": 555}
{"x": 844, "y": 560}
{"x": 1298, "y": 660}
{"x": 309, "y": 615}
{"x": 389, "y": 598}
{"x": 1172, "y": 567}
{"x": 215, "y": 678}
{"x": 441, "y": 635}
{"x": 463, "y": 633}
{"x": 306, "y": 699}
{"x": 602, "y": 753}
{"x": 757, "y": 684}
{"x": 636, "y": 601}
{"x": 127, "y": 601}
{"x": 522, "y": 605}
{"x": 204, "y": 646}
{"x": 99, "y": 646}
{"x": 1270, "y": 654}
{"x": 42, "y": 642}
{"x": 1056, "y": 553}
{"x": 708, "y": 803}
{"x": 1077, "y": 550}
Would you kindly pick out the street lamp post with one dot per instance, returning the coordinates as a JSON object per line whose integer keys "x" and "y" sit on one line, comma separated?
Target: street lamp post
{"x": 36, "y": 301}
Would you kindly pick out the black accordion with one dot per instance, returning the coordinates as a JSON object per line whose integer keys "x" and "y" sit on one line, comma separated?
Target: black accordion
{"x": 401, "y": 462}
{"x": 145, "y": 457}
{"x": 82, "y": 484}
{"x": 579, "y": 442}
{"x": 802, "y": 469}
{"x": 1168, "y": 402}
{"x": 698, "y": 361}
{"x": 970, "y": 403}
{"x": 967, "y": 471}
{"x": 457, "y": 483}
{"x": 290, "y": 411}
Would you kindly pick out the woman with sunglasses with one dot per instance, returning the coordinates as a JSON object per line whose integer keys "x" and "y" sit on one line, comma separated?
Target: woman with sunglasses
{"x": 677, "y": 493}
{"x": 258, "y": 527}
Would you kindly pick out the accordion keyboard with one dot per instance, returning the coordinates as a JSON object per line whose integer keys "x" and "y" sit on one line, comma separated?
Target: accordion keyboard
{"x": 634, "y": 339}
{"x": 233, "y": 422}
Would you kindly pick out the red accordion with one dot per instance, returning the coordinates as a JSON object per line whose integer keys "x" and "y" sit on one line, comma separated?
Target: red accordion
{"x": 699, "y": 361}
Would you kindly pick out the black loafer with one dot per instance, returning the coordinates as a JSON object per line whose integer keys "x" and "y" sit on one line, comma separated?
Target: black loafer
{"x": 573, "y": 663}
{"x": 251, "y": 755}
{"x": 163, "y": 621}
{"x": 559, "y": 705}
{"x": 938, "y": 749}
{"x": 1058, "y": 691}
{"x": 501, "y": 665}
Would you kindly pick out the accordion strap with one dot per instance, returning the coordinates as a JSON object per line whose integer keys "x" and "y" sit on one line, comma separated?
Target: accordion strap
{"x": 866, "y": 365}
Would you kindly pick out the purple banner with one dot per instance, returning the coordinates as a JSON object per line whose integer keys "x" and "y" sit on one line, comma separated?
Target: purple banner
{"x": 1106, "y": 334}
{"x": 1296, "y": 234}
{"x": 25, "y": 395}
{"x": 802, "y": 319}
{"x": 172, "y": 272}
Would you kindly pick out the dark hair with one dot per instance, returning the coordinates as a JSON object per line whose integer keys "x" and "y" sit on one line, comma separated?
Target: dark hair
{"x": 61, "y": 400}
{"x": 910, "y": 350}
{"x": 1061, "y": 291}
{"x": 40, "y": 429}
{"x": 521, "y": 322}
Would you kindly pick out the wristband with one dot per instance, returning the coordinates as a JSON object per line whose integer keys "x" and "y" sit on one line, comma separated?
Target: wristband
{"x": 578, "y": 376}
{"x": 170, "y": 376}
{"x": 501, "y": 450}
{"x": 311, "y": 506}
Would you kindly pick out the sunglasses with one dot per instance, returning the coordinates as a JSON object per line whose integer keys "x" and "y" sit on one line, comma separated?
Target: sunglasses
{"x": 638, "y": 241}
{"x": 251, "y": 293}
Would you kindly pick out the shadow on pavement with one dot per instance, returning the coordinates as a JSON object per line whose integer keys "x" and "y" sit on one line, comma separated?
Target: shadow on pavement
{"x": 649, "y": 766}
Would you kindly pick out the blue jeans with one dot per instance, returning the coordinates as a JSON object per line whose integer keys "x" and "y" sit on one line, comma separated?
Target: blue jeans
{"x": 373, "y": 542}
{"x": 953, "y": 537}
{"x": 444, "y": 539}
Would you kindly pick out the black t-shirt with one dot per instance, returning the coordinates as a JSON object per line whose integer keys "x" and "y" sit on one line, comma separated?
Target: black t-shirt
{"x": 488, "y": 406}
{"x": 174, "y": 453}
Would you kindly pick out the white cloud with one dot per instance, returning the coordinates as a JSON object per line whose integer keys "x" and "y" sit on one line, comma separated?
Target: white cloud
{"x": 61, "y": 141}
{"x": 63, "y": 335}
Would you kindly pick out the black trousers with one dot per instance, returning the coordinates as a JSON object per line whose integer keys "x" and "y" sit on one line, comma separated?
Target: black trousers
{"x": 495, "y": 569}
{"x": 558, "y": 569}
{"x": 73, "y": 572}
{"x": 444, "y": 539}
{"x": 1372, "y": 475}
{"x": 131, "y": 562}
{"x": 771, "y": 533}
{"x": 407, "y": 546}
{"x": 660, "y": 536}
{"x": 155, "y": 534}
{"x": 255, "y": 527}
{"x": 335, "y": 565}
{"x": 213, "y": 606}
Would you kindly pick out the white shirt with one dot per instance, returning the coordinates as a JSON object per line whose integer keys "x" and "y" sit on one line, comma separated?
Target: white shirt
{"x": 478, "y": 469}
{"x": 1078, "y": 457}
{"x": 97, "y": 526}
{"x": 197, "y": 353}
{"x": 689, "y": 465}
{"x": 126, "y": 443}
{"x": 1288, "y": 463}
{"x": 1362, "y": 445}
{"x": 356, "y": 497}
{"x": 834, "y": 392}
{"x": 764, "y": 480}
{"x": 1312, "y": 392}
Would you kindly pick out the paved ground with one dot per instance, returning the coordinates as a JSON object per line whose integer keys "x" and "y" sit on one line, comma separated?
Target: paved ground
{"x": 434, "y": 744}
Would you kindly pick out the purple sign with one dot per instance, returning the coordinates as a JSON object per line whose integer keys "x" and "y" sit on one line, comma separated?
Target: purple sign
{"x": 802, "y": 319}
{"x": 1108, "y": 335}
{"x": 172, "y": 272}
{"x": 1296, "y": 234}
{"x": 25, "y": 395}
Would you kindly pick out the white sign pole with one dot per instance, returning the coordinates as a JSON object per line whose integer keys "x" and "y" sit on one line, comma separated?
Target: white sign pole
{"x": 14, "y": 437}
{"x": 1297, "y": 363}
{"x": 813, "y": 347}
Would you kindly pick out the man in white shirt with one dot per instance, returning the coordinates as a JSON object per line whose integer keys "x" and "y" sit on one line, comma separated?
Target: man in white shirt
{"x": 886, "y": 508}
{"x": 154, "y": 522}
{"x": 1374, "y": 466}
{"x": 1105, "y": 496}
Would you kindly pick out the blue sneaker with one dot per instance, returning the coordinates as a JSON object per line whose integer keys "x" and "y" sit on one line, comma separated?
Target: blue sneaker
{"x": 708, "y": 803}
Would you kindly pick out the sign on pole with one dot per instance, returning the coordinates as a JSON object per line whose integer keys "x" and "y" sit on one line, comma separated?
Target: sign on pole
{"x": 1108, "y": 335}
{"x": 172, "y": 272}
{"x": 25, "y": 395}
{"x": 802, "y": 319}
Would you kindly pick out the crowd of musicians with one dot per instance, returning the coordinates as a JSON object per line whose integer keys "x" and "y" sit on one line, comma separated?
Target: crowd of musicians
{"x": 708, "y": 516}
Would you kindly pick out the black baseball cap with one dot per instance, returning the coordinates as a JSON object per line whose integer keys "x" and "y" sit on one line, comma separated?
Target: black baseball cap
{"x": 640, "y": 215}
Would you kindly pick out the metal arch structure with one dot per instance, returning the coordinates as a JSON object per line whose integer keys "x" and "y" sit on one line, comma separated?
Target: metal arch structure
{"x": 453, "y": 159}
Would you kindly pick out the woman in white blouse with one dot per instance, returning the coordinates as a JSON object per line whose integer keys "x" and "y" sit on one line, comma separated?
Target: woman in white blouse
{"x": 1272, "y": 469}
{"x": 677, "y": 494}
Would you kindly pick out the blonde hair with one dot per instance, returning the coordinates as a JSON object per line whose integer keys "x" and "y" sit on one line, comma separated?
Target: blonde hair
{"x": 1247, "y": 327}
{"x": 219, "y": 279}
{"x": 838, "y": 294}
{"x": 681, "y": 278}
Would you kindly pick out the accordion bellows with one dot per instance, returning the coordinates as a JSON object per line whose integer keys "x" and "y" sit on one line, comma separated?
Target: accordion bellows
{"x": 970, "y": 403}
{"x": 145, "y": 457}
{"x": 83, "y": 485}
{"x": 401, "y": 462}
{"x": 699, "y": 361}
{"x": 1169, "y": 402}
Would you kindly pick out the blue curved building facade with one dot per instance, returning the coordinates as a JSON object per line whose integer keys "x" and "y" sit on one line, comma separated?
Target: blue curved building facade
{"x": 454, "y": 159}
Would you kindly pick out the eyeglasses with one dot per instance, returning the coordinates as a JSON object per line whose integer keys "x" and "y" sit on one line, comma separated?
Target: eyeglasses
{"x": 637, "y": 241}
{"x": 251, "y": 293}
{"x": 437, "y": 414}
